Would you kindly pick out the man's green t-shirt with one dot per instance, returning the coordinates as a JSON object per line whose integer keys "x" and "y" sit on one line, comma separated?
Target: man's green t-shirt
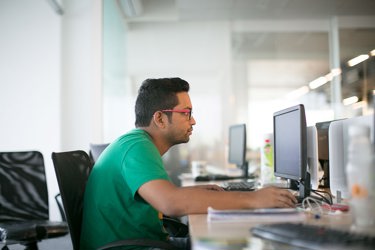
{"x": 113, "y": 210}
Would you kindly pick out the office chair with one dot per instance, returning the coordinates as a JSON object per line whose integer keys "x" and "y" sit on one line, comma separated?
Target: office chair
{"x": 72, "y": 171}
{"x": 96, "y": 150}
{"x": 60, "y": 206}
{"x": 24, "y": 208}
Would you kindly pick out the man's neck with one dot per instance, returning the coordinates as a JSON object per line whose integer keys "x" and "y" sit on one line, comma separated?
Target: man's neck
{"x": 157, "y": 139}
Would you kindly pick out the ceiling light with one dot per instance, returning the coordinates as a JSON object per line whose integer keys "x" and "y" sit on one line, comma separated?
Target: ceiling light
{"x": 350, "y": 100}
{"x": 335, "y": 72}
{"x": 318, "y": 82}
{"x": 357, "y": 60}
{"x": 298, "y": 93}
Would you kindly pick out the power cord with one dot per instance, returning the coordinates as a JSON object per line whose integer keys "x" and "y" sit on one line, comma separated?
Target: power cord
{"x": 317, "y": 192}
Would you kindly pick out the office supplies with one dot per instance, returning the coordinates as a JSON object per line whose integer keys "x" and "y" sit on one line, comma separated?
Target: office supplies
{"x": 290, "y": 145}
{"x": 256, "y": 215}
{"x": 336, "y": 207}
{"x": 313, "y": 236}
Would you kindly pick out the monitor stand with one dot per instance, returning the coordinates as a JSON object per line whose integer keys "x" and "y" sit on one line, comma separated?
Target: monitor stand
{"x": 303, "y": 187}
{"x": 245, "y": 170}
{"x": 293, "y": 184}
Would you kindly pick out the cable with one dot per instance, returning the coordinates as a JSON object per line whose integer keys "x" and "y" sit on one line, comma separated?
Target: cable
{"x": 317, "y": 192}
{"x": 313, "y": 206}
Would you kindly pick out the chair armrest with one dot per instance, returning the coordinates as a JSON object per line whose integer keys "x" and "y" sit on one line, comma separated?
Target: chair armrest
{"x": 139, "y": 242}
{"x": 175, "y": 228}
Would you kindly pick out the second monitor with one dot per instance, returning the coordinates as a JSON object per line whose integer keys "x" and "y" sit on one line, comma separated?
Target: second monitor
{"x": 238, "y": 147}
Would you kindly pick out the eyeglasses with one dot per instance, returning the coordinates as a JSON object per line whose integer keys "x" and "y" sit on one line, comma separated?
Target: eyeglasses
{"x": 186, "y": 112}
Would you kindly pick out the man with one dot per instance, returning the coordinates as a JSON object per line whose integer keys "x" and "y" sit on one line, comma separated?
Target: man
{"x": 129, "y": 188}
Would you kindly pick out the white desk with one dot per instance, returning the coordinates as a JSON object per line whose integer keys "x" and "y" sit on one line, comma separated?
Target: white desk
{"x": 217, "y": 234}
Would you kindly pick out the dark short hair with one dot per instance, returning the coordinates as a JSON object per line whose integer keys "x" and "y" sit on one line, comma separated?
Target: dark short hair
{"x": 155, "y": 95}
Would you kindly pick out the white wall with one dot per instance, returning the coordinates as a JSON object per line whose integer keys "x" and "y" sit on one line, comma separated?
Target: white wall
{"x": 30, "y": 65}
{"x": 198, "y": 52}
{"x": 49, "y": 79}
{"x": 81, "y": 90}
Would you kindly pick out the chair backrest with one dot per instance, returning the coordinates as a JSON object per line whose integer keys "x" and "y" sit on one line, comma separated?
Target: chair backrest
{"x": 96, "y": 150}
{"x": 23, "y": 186}
{"x": 72, "y": 171}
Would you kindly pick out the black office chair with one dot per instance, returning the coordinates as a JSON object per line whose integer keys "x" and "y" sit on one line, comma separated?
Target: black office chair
{"x": 72, "y": 171}
{"x": 60, "y": 206}
{"x": 24, "y": 207}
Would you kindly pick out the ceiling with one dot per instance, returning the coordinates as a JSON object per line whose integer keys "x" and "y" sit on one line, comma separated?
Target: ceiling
{"x": 274, "y": 30}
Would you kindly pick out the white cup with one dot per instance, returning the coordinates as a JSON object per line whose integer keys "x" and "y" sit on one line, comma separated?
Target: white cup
{"x": 198, "y": 168}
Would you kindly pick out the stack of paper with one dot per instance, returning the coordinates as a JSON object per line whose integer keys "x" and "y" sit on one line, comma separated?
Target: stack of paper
{"x": 255, "y": 215}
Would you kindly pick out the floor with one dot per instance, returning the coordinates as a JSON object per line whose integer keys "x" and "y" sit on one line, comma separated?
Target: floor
{"x": 61, "y": 243}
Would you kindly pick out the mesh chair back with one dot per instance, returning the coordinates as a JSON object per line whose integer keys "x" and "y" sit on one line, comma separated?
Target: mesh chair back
{"x": 72, "y": 171}
{"x": 23, "y": 187}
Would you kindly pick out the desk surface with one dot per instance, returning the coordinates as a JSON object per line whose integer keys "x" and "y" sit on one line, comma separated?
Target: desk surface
{"x": 217, "y": 235}
{"x": 237, "y": 235}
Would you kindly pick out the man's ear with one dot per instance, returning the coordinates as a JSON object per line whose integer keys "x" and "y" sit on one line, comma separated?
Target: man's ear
{"x": 158, "y": 119}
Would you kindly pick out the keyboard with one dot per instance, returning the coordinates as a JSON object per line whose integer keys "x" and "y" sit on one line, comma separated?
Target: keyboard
{"x": 240, "y": 186}
{"x": 313, "y": 236}
{"x": 215, "y": 177}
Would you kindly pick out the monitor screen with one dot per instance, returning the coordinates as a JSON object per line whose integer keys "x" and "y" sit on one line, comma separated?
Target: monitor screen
{"x": 237, "y": 146}
{"x": 290, "y": 146}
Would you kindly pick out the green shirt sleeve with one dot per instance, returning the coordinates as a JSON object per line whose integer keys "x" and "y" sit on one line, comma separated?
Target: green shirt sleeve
{"x": 142, "y": 164}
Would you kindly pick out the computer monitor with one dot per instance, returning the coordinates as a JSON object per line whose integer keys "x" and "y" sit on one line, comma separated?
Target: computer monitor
{"x": 290, "y": 148}
{"x": 237, "y": 147}
{"x": 338, "y": 151}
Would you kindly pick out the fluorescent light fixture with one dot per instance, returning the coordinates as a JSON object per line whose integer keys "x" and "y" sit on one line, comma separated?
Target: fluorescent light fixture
{"x": 298, "y": 93}
{"x": 324, "y": 79}
{"x": 357, "y": 60}
{"x": 318, "y": 82}
{"x": 335, "y": 72}
{"x": 350, "y": 100}
{"x": 332, "y": 74}
{"x": 372, "y": 52}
